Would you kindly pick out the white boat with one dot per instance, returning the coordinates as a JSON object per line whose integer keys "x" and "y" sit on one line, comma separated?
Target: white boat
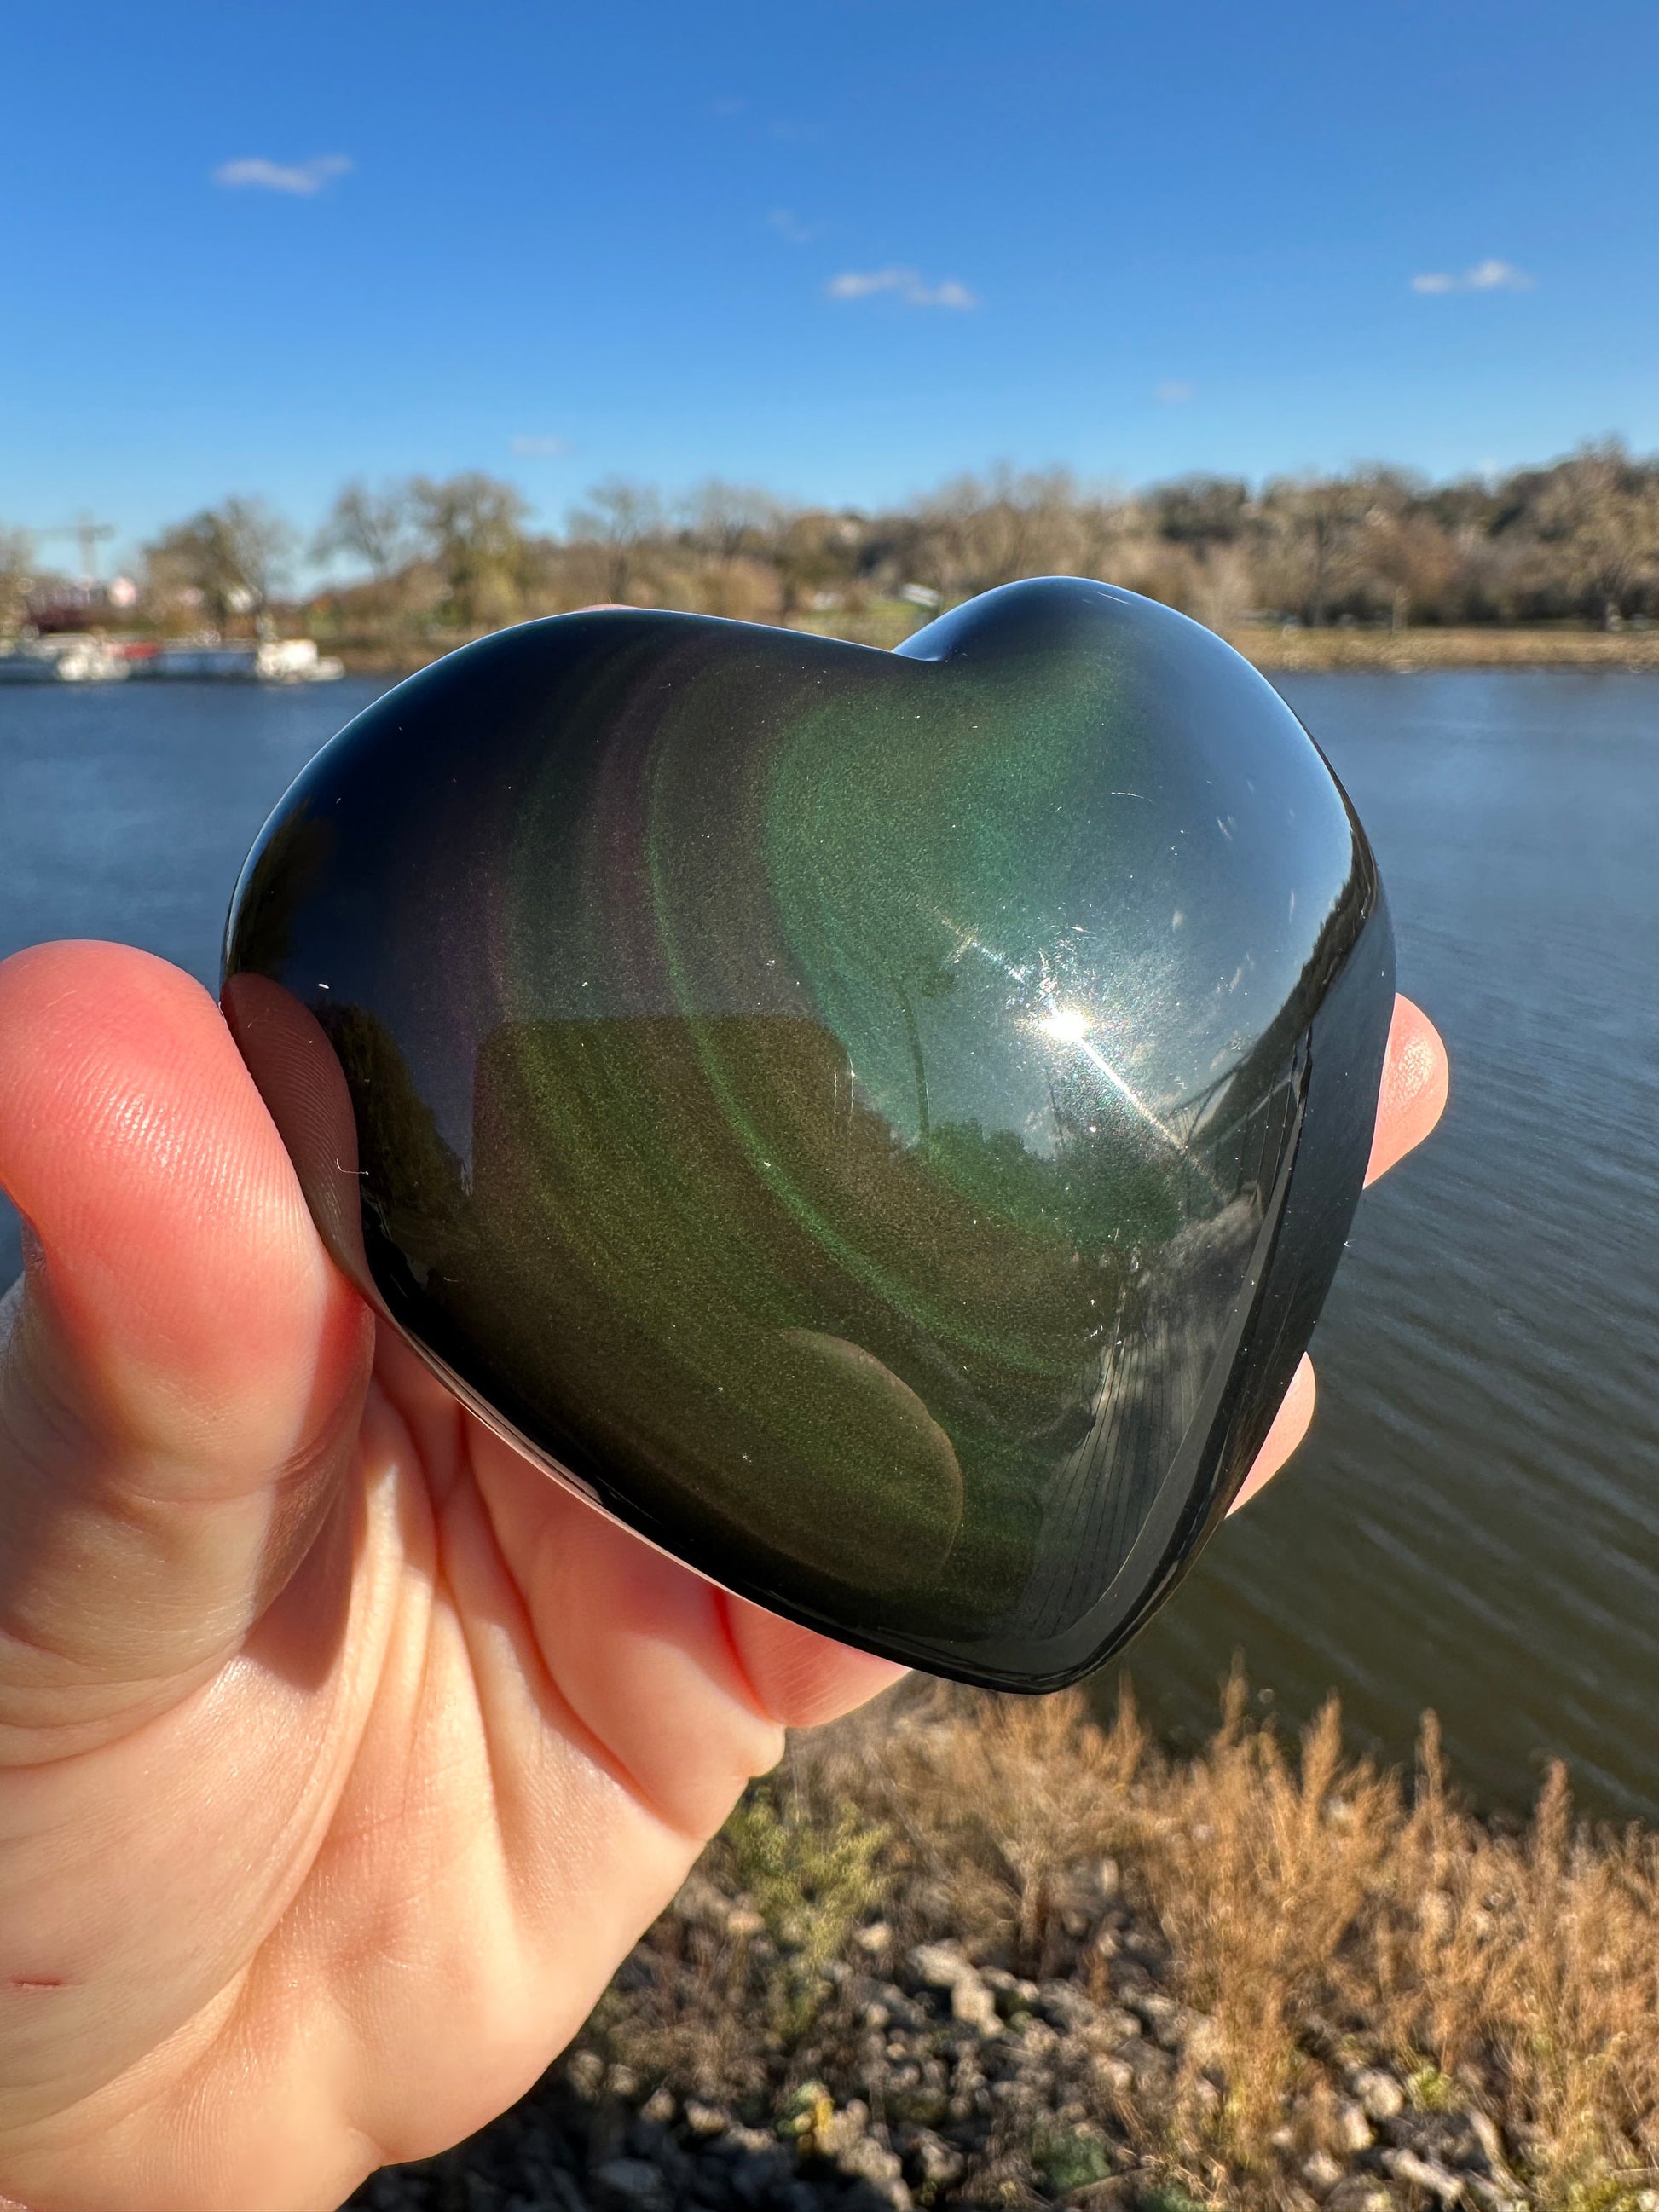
{"x": 272, "y": 661}
{"x": 71, "y": 660}
{"x": 80, "y": 658}
{"x": 296, "y": 661}
{"x": 194, "y": 662}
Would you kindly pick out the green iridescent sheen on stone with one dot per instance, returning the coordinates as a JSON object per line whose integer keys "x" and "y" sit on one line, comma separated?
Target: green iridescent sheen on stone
{"x": 883, "y": 1124}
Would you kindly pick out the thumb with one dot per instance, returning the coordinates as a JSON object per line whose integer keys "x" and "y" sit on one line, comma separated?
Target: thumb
{"x": 182, "y": 1367}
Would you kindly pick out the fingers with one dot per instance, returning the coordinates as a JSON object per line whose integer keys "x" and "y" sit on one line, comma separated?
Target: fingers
{"x": 184, "y": 1368}
{"x": 1412, "y": 1097}
{"x": 687, "y": 1689}
{"x": 1290, "y": 1424}
{"x": 800, "y": 1678}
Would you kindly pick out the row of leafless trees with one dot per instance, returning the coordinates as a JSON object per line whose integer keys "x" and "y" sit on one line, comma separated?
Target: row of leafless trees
{"x": 1576, "y": 539}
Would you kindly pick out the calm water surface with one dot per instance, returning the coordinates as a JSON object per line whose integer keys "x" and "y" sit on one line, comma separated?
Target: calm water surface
{"x": 1475, "y": 1524}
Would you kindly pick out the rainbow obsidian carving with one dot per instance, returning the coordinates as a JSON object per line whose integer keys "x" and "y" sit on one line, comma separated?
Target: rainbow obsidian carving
{"x": 883, "y": 1124}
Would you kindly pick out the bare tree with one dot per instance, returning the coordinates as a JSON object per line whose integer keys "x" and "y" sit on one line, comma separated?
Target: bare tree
{"x": 976, "y": 533}
{"x": 1223, "y": 584}
{"x": 817, "y": 556}
{"x": 1201, "y": 511}
{"x": 16, "y": 574}
{"x": 729, "y": 520}
{"x": 381, "y": 528}
{"x": 230, "y": 559}
{"x": 621, "y": 517}
{"x": 1027, "y": 525}
{"x": 471, "y": 528}
{"x": 1403, "y": 558}
{"x": 1601, "y": 511}
{"x": 1535, "y": 544}
{"x": 943, "y": 545}
{"x": 1311, "y": 523}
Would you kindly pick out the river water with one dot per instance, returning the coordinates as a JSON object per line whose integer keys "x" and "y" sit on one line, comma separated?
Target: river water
{"x": 1474, "y": 1523}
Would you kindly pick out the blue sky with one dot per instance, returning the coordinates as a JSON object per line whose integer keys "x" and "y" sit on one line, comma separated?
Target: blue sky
{"x": 844, "y": 250}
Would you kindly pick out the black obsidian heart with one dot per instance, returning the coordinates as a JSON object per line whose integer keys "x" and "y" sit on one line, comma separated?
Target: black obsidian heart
{"x": 884, "y": 1125}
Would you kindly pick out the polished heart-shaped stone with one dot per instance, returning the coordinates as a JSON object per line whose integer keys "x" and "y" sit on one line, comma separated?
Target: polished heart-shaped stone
{"x": 881, "y": 1125}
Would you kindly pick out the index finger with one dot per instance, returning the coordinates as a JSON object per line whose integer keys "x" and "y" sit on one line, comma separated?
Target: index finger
{"x": 1412, "y": 1098}
{"x": 1415, "y": 1077}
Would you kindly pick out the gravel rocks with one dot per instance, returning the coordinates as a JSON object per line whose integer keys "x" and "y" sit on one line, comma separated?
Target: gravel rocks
{"x": 1045, "y": 2104}
{"x": 631, "y": 2185}
{"x": 939, "y": 1965}
{"x": 722, "y": 2074}
{"x": 1360, "y": 2193}
{"x": 1380, "y": 2096}
{"x": 934, "y": 2163}
{"x": 1352, "y": 2129}
{"x": 1424, "y": 2173}
{"x": 1321, "y": 2172}
{"x": 944, "y": 1966}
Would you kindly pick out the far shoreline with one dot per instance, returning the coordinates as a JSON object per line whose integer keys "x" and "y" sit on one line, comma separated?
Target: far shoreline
{"x": 1274, "y": 649}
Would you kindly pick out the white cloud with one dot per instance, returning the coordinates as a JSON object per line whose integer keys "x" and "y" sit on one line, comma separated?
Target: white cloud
{"x": 905, "y": 284}
{"x": 1174, "y": 393}
{"x": 1485, "y": 276}
{"x": 303, "y": 177}
{"x": 532, "y": 447}
{"x": 788, "y": 226}
{"x": 1497, "y": 276}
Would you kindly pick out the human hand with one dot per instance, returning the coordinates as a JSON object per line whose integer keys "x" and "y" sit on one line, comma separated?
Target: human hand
{"x": 342, "y": 1755}
{"x": 1415, "y": 1077}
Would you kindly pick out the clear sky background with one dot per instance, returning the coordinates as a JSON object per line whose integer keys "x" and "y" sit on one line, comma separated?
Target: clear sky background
{"x": 844, "y": 250}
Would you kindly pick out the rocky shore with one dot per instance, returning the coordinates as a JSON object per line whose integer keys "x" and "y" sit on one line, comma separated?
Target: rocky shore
{"x": 1118, "y": 1982}
{"x": 986, "y": 2090}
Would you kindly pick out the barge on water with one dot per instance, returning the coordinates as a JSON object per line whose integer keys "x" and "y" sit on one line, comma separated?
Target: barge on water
{"x": 82, "y": 659}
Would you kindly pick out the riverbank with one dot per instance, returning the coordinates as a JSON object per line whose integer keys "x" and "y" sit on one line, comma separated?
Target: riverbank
{"x": 1281, "y": 650}
{"x": 1275, "y": 650}
{"x": 981, "y": 1952}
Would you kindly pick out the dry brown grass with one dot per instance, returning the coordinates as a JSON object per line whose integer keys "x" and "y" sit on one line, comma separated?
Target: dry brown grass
{"x": 740, "y": 590}
{"x": 1290, "y": 651}
{"x": 1319, "y": 1913}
